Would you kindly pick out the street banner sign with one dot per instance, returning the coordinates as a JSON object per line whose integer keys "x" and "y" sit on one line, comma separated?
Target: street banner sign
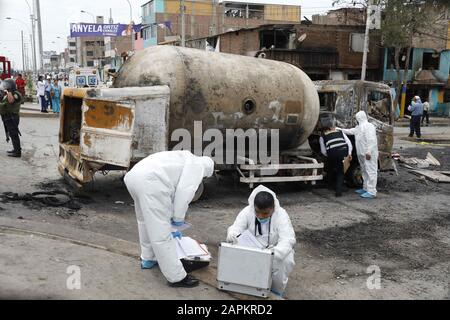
{"x": 102, "y": 30}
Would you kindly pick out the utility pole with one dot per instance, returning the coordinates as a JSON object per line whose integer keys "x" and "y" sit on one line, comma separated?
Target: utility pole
{"x": 41, "y": 49}
{"x": 366, "y": 42}
{"x": 132, "y": 23}
{"x": 33, "y": 38}
{"x": 183, "y": 28}
{"x": 23, "y": 52}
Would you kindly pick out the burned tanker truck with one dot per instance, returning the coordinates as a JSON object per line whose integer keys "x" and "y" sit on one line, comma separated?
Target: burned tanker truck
{"x": 165, "y": 94}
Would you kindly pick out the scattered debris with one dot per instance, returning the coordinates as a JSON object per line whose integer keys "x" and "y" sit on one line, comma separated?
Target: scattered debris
{"x": 119, "y": 202}
{"x": 55, "y": 198}
{"x": 419, "y": 163}
{"x": 435, "y": 176}
{"x": 20, "y": 218}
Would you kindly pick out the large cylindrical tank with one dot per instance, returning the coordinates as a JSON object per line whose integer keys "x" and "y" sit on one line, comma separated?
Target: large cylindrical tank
{"x": 227, "y": 91}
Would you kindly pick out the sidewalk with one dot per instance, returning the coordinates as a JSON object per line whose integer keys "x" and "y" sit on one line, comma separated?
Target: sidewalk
{"x": 434, "y": 122}
{"x": 29, "y": 109}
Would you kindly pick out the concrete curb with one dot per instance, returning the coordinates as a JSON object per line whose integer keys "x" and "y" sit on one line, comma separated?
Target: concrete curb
{"x": 37, "y": 114}
{"x": 76, "y": 236}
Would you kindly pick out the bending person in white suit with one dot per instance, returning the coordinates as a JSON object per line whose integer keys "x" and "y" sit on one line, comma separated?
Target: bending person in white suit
{"x": 272, "y": 227}
{"x": 162, "y": 186}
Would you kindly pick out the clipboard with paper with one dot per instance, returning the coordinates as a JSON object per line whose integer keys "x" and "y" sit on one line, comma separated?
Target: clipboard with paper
{"x": 193, "y": 255}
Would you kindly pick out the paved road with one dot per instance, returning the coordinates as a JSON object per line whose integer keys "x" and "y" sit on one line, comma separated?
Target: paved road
{"x": 405, "y": 232}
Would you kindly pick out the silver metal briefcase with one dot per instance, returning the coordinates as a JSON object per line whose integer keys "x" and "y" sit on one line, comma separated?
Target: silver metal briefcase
{"x": 245, "y": 270}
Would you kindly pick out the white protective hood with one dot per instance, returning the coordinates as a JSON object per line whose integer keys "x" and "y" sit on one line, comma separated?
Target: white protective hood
{"x": 282, "y": 235}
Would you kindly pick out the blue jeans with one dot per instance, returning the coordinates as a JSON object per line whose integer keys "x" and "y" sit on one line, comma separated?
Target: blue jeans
{"x": 43, "y": 103}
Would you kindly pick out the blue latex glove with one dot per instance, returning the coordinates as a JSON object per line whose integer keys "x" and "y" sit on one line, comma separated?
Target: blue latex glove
{"x": 177, "y": 224}
{"x": 177, "y": 234}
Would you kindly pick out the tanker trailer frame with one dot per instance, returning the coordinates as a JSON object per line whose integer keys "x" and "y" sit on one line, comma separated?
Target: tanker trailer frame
{"x": 113, "y": 128}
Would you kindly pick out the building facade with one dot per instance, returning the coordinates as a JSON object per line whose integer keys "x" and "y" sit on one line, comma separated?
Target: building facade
{"x": 162, "y": 18}
{"x": 429, "y": 65}
{"x": 324, "y": 52}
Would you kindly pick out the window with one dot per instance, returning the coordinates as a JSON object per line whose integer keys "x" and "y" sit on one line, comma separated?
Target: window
{"x": 446, "y": 96}
{"x": 90, "y": 43}
{"x": 327, "y": 101}
{"x": 402, "y": 59}
{"x": 154, "y": 31}
{"x": 89, "y": 53}
{"x": 73, "y": 51}
{"x": 90, "y": 63}
{"x": 72, "y": 59}
{"x": 147, "y": 9}
{"x": 357, "y": 42}
{"x": 72, "y": 44}
{"x": 81, "y": 80}
{"x": 430, "y": 61}
{"x": 277, "y": 38}
{"x": 92, "y": 80}
{"x": 379, "y": 105}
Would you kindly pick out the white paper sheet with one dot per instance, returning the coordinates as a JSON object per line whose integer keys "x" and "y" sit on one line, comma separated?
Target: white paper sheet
{"x": 188, "y": 247}
{"x": 246, "y": 239}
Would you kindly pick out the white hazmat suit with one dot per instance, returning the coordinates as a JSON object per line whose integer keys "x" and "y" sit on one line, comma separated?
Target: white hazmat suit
{"x": 366, "y": 143}
{"x": 281, "y": 237}
{"x": 162, "y": 186}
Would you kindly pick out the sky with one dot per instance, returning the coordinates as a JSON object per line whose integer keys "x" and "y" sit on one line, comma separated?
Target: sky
{"x": 57, "y": 15}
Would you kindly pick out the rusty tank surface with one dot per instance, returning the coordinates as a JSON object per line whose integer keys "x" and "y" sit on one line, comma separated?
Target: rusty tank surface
{"x": 226, "y": 91}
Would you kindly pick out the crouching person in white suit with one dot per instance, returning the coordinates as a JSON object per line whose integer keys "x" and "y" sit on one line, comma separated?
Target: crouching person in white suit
{"x": 271, "y": 225}
{"x": 162, "y": 186}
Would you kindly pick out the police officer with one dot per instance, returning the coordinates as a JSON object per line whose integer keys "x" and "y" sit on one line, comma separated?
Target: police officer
{"x": 335, "y": 146}
{"x": 9, "y": 111}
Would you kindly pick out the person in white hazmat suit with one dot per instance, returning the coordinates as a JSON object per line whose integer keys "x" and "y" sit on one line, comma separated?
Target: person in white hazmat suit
{"x": 270, "y": 223}
{"x": 367, "y": 151}
{"x": 162, "y": 186}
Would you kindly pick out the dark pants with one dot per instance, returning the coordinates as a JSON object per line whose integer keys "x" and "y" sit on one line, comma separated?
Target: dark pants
{"x": 335, "y": 168}
{"x": 414, "y": 126}
{"x": 425, "y": 115}
{"x": 43, "y": 103}
{"x": 49, "y": 99}
{"x": 11, "y": 123}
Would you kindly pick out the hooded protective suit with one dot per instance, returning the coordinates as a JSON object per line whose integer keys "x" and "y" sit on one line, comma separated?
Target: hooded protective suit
{"x": 366, "y": 143}
{"x": 162, "y": 186}
{"x": 281, "y": 237}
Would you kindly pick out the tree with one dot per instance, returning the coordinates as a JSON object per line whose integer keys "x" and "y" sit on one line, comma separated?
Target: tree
{"x": 402, "y": 21}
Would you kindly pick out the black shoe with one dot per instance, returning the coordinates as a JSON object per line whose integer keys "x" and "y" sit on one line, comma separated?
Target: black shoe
{"x": 10, "y": 151}
{"x": 188, "y": 282}
{"x": 338, "y": 194}
{"x": 410, "y": 136}
{"x": 15, "y": 154}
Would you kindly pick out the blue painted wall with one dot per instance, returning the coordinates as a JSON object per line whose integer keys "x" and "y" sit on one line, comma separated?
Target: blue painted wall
{"x": 442, "y": 73}
{"x": 158, "y": 7}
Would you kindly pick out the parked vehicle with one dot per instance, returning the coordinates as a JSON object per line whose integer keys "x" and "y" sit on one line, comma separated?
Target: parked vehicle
{"x": 84, "y": 78}
{"x": 5, "y": 68}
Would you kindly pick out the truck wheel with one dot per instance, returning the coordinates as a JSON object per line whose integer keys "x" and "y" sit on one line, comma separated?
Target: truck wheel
{"x": 354, "y": 176}
{"x": 199, "y": 192}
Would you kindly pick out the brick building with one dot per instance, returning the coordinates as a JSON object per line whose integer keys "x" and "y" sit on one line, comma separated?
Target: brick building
{"x": 208, "y": 17}
{"x": 322, "y": 51}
